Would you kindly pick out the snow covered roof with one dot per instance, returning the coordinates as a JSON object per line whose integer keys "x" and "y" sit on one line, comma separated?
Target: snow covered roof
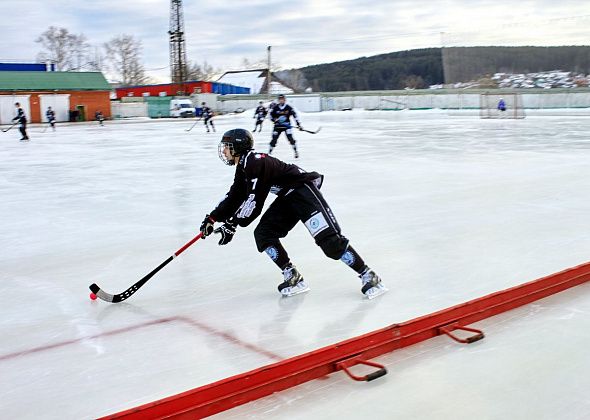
{"x": 253, "y": 79}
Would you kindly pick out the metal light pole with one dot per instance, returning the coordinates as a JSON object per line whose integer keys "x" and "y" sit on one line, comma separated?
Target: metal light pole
{"x": 268, "y": 75}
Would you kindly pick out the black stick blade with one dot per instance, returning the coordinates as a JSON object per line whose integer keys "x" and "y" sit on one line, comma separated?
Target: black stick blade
{"x": 311, "y": 131}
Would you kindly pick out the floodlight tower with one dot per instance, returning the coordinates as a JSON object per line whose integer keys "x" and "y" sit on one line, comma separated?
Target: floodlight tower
{"x": 177, "y": 46}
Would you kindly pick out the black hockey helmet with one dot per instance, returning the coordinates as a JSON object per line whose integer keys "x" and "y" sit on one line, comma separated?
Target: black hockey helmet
{"x": 281, "y": 96}
{"x": 239, "y": 142}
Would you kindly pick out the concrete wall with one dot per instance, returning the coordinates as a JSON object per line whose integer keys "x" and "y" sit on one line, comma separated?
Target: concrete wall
{"x": 129, "y": 109}
{"x": 209, "y": 98}
{"x": 303, "y": 103}
{"x": 422, "y": 99}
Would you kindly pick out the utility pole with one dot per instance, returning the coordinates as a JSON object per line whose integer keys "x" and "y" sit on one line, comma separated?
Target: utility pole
{"x": 177, "y": 46}
{"x": 268, "y": 75}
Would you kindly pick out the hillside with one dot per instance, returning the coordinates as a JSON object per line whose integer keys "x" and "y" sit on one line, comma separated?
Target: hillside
{"x": 423, "y": 67}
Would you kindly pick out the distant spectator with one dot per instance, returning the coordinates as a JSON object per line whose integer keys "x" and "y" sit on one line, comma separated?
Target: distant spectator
{"x": 501, "y": 105}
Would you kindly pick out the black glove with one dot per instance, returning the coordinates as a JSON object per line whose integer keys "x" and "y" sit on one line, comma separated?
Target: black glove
{"x": 207, "y": 226}
{"x": 227, "y": 231}
{"x": 299, "y": 126}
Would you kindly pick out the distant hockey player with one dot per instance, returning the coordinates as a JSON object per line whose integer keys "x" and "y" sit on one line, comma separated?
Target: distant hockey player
{"x": 99, "y": 117}
{"x": 208, "y": 115}
{"x": 501, "y": 105}
{"x": 260, "y": 115}
{"x": 50, "y": 114}
{"x": 280, "y": 115}
{"x": 298, "y": 200}
{"x": 21, "y": 118}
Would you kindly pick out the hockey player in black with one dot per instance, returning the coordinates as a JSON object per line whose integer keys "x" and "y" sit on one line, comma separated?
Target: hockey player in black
{"x": 50, "y": 114}
{"x": 260, "y": 115}
{"x": 280, "y": 115}
{"x": 99, "y": 117}
{"x": 21, "y": 118}
{"x": 208, "y": 115}
{"x": 298, "y": 200}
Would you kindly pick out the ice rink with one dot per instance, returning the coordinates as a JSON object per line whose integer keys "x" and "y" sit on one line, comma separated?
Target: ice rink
{"x": 445, "y": 208}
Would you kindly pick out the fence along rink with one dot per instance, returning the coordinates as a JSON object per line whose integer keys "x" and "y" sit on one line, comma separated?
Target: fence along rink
{"x": 490, "y": 106}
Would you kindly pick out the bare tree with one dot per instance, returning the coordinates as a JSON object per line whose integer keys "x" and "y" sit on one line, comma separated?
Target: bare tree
{"x": 261, "y": 63}
{"x": 123, "y": 53}
{"x": 66, "y": 50}
{"x": 294, "y": 78}
{"x": 96, "y": 59}
{"x": 79, "y": 51}
{"x": 204, "y": 72}
{"x": 413, "y": 81}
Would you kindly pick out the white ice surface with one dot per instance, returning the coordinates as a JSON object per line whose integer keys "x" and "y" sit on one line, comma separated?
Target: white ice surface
{"x": 445, "y": 209}
{"x": 532, "y": 364}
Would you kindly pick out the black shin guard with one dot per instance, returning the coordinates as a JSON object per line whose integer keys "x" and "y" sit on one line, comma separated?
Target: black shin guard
{"x": 278, "y": 254}
{"x": 352, "y": 259}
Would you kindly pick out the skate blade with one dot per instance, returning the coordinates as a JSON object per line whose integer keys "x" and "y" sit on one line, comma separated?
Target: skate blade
{"x": 378, "y": 290}
{"x": 301, "y": 287}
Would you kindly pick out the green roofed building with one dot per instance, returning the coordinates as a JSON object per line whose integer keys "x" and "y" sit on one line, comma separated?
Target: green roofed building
{"x": 72, "y": 95}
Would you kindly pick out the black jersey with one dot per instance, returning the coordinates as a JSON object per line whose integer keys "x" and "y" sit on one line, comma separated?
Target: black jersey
{"x": 20, "y": 116}
{"x": 257, "y": 175}
{"x": 207, "y": 112}
{"x": 260, "y": 112}
{"x": 281, "y": 115}
{"x": 50, "y": 114}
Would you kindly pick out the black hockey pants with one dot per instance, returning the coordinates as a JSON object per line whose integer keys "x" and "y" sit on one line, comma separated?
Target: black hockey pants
{"x": 305, "y": 204}
{"x": 277, "y": 130}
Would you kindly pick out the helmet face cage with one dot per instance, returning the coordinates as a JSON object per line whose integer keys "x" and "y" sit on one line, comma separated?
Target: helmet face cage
{"x": 238, "y": 141}
{"x": 224, "y": 159}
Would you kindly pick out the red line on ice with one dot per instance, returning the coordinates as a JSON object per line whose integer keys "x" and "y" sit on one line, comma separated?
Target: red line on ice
{"x": 226, "y": 336}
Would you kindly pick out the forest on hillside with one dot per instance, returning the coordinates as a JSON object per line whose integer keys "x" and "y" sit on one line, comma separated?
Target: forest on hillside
{"x": 421, "y": 68}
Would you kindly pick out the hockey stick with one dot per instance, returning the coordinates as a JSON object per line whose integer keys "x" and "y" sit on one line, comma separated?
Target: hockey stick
{"x": 4, "y": 131}
{"x": 310, "y": 131}
{"x": 193, "y": 126}
{"x": 107, "y": 297}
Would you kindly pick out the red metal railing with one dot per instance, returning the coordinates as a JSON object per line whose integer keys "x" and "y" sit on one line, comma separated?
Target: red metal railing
{"x": 240, "y": 389}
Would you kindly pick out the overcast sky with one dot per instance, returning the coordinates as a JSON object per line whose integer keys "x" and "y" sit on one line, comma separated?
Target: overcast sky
{"x": 302, "y": 32}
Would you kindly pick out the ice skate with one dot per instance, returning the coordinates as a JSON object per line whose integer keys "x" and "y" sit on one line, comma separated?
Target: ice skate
{"x": 372, "y": 286}
{"x": 293, "y": 284}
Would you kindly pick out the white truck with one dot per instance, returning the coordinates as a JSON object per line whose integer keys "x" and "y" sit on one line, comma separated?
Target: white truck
{"x": 182, "y": 108}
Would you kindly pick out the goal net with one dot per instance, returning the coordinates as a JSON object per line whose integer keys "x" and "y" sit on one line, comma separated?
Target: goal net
{"x": 506, "y": 105}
